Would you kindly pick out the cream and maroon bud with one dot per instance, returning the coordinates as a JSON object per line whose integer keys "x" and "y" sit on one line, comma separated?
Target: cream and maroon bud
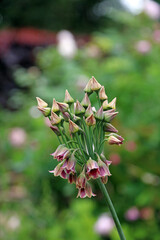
{"x": 85, "y": 102}
{"x": 59, "y": 171}
{"x": 41, "y": 103}
{"x": 92, "y": 169}
{"x": 55, "y": 129}
{"x": 115, "y": 139}
{"x": 99, "y": 114}
{"x": 102, "y": 94}
{"x": 81, "y": 180}
{"x": 68, "y": 99}
{"x": 86, "y": 191}
{"x": 103, "y": 168}
{"x": 66, "y": 116}
{"x": 71, "y": 178}
{"x": 88, "y": 87}
{"x": 107, "y": 162}
{"x": 79, "y": 109}
{"x": 104, "y": 179}
{"x": 91, "y": 121}
{"x": 55, "y": 119}
{"x": 46, "y": 111}
{"x": 55, "y": 107}
{"x": 105, "y": 105}
{"x": 69, "y": 164}
{"x": 63, "y": 107}
{"x": 109, "y": 115}
{"x": 112, "y": 104}
{"x": 107, "y": 127}
{"x": 61, "y": 153}
{"x": 88, "y": 111}
{"x": 95, "y": 86}
{"x": 73, "y": 127}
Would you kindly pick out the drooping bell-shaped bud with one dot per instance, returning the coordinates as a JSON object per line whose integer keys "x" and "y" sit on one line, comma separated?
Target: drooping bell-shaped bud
{"x": 95, "y": 86}
{"x": 88, "y": 87}
{"x": 81, "y": 180}
{"x": 112, "y": 104}
{"x": 71, "y": 178}
{"x": 102, "y": 94}
{"x": 99, "y": 114}
{"x": 55, "y": 119}
{"x": 85, "y": 102}
{"x": 55, "y": 107}
{"x": 55, "y": 130}
{"x": 63, "y": 107}
{"x": 90, "y": 121}
{"x": 86, "y": 191}
{"x": 103, "y": 168}
{"x": 69, "y": 164}
{"x": 59, "y": 171}
{"x": 73, "y": 127}
{"x": 61, "y": 153}
{"x": 41, "y": 103}
{"x": 68, "y": 99}
{"x": 105, "y": 105}
{"x": 46, "y": 111}
{"x": 115, "y": 139}
{"x": 107, "y": 127}
{"x": 88, "y": 111}
{"x": 109, "y": 115}
{"x": 92, "y": 169}
{"x": 107, "y": 162}
{"x": 79, "y": 109}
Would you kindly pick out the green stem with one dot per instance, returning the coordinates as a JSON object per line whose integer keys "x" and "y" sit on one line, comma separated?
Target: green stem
{"x": 112, "y": 210}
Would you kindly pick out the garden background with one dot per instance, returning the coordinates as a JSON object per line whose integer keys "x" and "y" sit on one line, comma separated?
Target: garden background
{"x": 120, "y": 46}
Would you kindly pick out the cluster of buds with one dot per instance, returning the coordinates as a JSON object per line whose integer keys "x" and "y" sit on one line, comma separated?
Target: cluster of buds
{"x": 82, "y": 137}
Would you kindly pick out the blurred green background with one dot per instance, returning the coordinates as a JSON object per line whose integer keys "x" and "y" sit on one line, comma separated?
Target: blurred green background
{"x": 117, "y": 43}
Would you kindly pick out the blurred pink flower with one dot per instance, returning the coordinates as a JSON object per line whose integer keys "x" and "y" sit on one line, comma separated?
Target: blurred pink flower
{"x": 143, "y": 46}
{"x": 115, "y": 158}
{"x": 152, "y": 9}
{"x": 132, "y": 214}
{"x": 156, "y": 35}
{"x": 130, "y": 146}
{"x": 17, "y": 137}
{"x": 146, "y": 213}
{"x": 104, "y": 224}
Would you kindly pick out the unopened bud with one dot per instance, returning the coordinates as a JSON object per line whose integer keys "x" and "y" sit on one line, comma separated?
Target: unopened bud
{"x": 105, "y": 105}
{"x": 112, "y": 104}
{"x": 85, "y": 102}
{"x": 55, "y": 130}
{"x": 55, "y": 107}
{"x": 95, "y": 86}
{"x": 46, "y": 111}
{"x": 55, "y": 119}
{"x": 66, "y": 116}
{"x": 90, "y": 121}
{"x": 109, "y": 128}
{"x": 88, "y": 87}
{"x": 63, "y": 106}
{"x": 99, "y": 114}
{"x": 88, "y": 111}
{"x": 73, "y": 128}
{"x": 41, "y": 103}
{"x": 79, "y": 109}
{"x": 109, "y": 115}
{"x": 102, "y": 94}
{"x": 68, "y": 99}
{"x": 115, "y": 139}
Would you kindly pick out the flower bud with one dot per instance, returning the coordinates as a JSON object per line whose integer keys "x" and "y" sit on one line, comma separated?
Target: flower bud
{"x": 115, "y": 139}
{"x": 79, "y": 109}
{"x": 103, "y": 168}
{"x": 109, "y": 115}
{"x": 59, "y": 171}
{"x": 102, "y": 94}
{"x": 88, "y": 87}
{"x": 90, "y": 121}
{"x": 112, "y": 104}
{"x": 75, "y": 118}
{"x": 45, "y": 111}
{"x": 85, "y": 102}
{"x": 66, "y": 116}
{"x": 95, "y": 86}
{"x": 55, "y": 107}
{"x": 63, "y": 107}
{"x": 72, "y": 178}
{"x": 104, "y": 179}
{"x": 109, "y": 128}
{"x": 73, "y": 128}
{"x": 88, "y": 111}
{"x": 68, "y": 99}
{"x": 81, "y": 180}
{"x": 99, "y": 114}
{"x": 86, "y": 191}
{"x": 55, "y": 119}
{"x": 55, "y": 130}
{"x": 105, "y": 105}
{"x": 61, "y": 153}
{"x": 92, "y": 169}
{"x": 41, "y": 103}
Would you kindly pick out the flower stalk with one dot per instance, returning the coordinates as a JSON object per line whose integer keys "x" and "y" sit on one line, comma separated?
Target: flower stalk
{"x": 82, "y": 130}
